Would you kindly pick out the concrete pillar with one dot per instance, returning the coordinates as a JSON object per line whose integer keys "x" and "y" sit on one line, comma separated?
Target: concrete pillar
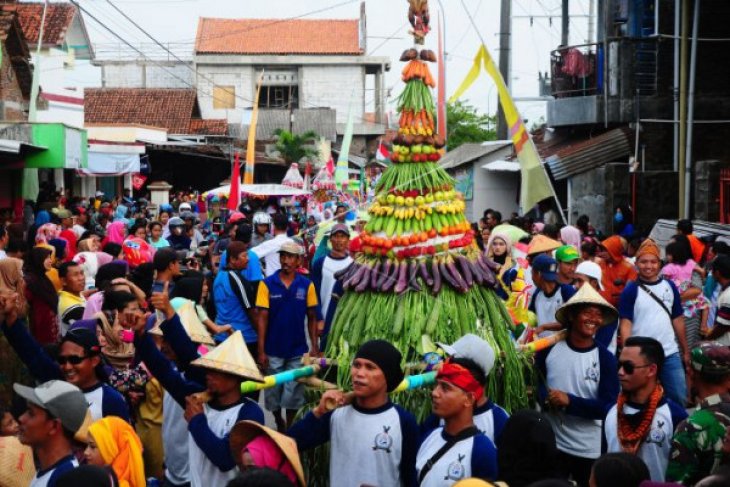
{"x": 159, "y": 193}
{"x": 58, "y": 179}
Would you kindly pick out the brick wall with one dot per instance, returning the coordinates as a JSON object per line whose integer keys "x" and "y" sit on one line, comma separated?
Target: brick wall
{"x": 12, "y": 105}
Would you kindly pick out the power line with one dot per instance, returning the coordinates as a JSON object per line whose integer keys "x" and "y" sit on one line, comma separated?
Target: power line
{"x": 389, "y": 38}
{"x": 463, "y": 36}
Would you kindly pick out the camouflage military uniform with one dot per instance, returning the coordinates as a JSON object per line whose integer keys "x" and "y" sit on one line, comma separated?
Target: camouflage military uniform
{"x": 698, "y": 441}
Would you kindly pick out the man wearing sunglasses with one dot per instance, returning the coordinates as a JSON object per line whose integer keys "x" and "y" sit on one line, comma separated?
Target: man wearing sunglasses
{"x": 643, "y": 421}
{"x": 697, "y": 447}
{"x": 78, "y": 362}
{"x": 580, "y": 383}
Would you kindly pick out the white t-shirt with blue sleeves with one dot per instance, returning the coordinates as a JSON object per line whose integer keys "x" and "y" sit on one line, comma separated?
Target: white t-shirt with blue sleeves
{"x": 657, "y": 445}
{"x": 648, "y": 318}
{"x": 48, "y": 477}
{"x": 475, "y": 456}
{"x": 589, "y": 376}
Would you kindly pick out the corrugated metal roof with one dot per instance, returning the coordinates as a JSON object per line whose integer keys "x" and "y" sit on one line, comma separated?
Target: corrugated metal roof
{"x": 470, "y": 152}
{"x": 576, "y": 158}
{"x": 320, "y": 120}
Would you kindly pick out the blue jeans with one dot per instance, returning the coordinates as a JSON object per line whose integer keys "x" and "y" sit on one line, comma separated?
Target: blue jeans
{"x": 673, "y": 381}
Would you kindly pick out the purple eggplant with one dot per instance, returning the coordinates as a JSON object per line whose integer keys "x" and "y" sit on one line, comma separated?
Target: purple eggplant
{"x": 493, "y": 266}
{"x": 413, "y": 276}
{"x": 461, "y": 283}
{"x": 436, "y": 276}
{"x": 476, "y": 271}
{"x": 354, "y": 277}
{"x": 365, "y": 280}
{"x": 465, "y": 270}
{"x": 447, "y": 275}
{"x": 483, "y": 264}
{"x": 489, "y": 279}
{"x": 424, "y": 273}
{"x": 383, "y": 275}
{"x": 390, "y": 280}
{"x": 375, "y": 275}
{"x": 402, "y": 283}
{"x": 346, "y": 273}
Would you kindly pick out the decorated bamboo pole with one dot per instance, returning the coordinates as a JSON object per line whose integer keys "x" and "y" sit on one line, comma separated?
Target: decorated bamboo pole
{"x": 280, "y": 378}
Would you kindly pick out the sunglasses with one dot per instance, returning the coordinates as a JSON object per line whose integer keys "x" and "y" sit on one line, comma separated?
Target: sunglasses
{"x": 71, "y": 359}
{"x": 629, "y": 367}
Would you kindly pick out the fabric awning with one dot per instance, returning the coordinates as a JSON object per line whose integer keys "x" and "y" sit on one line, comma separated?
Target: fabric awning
{"x": 260, "y": 190}
{"x": 111, "y": 164}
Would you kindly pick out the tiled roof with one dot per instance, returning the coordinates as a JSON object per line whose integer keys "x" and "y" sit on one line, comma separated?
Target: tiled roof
{"x": 208, "y": 127}
{"x": 58, "y": 19}
{"x": 170, "y": 108}
{"x": 272, "y": 36}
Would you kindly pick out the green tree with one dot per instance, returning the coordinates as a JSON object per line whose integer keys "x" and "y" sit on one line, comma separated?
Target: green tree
{"x": 465, "y": 124}
{"x": 293, "y": 147}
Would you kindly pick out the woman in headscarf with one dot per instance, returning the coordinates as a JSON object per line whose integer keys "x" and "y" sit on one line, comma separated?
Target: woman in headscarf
{"x": 113, "y": 442}
{"x": 194, "y": 288}
{"x": 41, "y": 295}
{"x": 41, "y": 219}
{"x": 11, "y": 368}
{"x": 499, "y": 249}
{"x": 570, "y": 235}
{"x": 90, "y": 264}
{"x": 115, "y": 232}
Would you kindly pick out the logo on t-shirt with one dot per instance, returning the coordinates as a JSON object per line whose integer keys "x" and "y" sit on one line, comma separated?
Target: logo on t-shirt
{"x": 383, "y": 441}
{"x": 657, "y": 434}
{"x": 456, "y": 470}
{"x": 592, "y": 373}
{"x": 301, "y": 294}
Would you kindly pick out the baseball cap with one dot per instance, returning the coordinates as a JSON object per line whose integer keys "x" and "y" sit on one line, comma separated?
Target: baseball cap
{"x": 291, "y": 247}
{"x": 84, "y": 338}
{"x": 592, "y": 270}
{"x": 566, "y": 253}
{"x": 711, "y": 358}
{"x": 474, "y": 348}
{"x": 63, "y": 213}
{"x": 340, "y": 227}
{"x": 546, "y": 266}
{"x": 62, "y": 400}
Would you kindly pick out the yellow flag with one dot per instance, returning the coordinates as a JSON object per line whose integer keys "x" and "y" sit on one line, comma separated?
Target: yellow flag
{"x": 535, "y": 185}
{"x": 251, "y": 148}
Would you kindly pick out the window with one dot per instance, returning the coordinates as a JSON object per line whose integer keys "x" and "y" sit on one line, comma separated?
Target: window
{"x": 279, "y": 97}
{"x": 224, "y": 97}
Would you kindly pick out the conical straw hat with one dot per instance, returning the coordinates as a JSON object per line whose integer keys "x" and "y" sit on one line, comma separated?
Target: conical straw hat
{"x": 245, "y": 431}
{"x": 16, "y": 463}
{"x": 541, "y": 243}
{"x": 232, "y": 357}
{"x": 586, "y": 295}
{"x": 192, "y": 325}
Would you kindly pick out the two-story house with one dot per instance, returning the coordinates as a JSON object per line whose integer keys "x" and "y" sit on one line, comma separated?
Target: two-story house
{"x": 628, "y": 98}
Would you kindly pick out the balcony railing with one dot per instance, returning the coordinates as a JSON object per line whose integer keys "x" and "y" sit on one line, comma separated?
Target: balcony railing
{"x": 630, "y": 66}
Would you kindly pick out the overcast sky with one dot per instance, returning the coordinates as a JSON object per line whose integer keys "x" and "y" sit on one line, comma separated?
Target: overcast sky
{"x": 175, "y": 21}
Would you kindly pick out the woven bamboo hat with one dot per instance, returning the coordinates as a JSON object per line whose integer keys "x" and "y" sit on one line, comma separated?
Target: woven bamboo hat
{"x": 191, "y": 324}
{"x": 245, "y": 431}
{"x": 586, "y": 295}
{"x": 16, "y": 463}
{"x": 540, "y": 244}
{"x": 232, "y": 357}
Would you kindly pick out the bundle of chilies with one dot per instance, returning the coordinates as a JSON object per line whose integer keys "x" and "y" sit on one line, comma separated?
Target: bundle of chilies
{"x": 459, "y": 270}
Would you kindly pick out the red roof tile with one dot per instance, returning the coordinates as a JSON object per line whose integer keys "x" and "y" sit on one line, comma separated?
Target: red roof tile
{"x": 170, "y": 108}
{"x": 58, "y": 19}
{"x": 208, "y": 127}
{"x": 272, "y": 36}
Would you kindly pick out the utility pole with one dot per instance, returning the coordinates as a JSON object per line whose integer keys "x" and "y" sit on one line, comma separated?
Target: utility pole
{"x": 565, "y": 29}
{"x": 505, "y": 46}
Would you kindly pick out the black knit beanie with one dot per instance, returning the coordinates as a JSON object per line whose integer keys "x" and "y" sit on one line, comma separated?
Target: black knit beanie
{"x": 385, "y": 356}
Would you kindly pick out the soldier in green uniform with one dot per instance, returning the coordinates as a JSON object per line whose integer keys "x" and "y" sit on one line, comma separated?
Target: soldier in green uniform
{"x": 697, "y": 446}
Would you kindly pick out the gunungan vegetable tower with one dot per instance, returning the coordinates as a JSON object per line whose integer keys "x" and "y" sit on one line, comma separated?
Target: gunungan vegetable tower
{"x": 420, "y": 272}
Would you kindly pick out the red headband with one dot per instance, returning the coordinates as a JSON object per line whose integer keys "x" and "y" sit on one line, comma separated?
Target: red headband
{"x": 460, "y": 377}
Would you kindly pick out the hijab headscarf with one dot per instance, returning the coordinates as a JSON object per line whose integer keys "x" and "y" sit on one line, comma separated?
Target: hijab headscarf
{"x": 119, "y": 354}
{"x": 115, "y": 232}
{"x": 42, "y": 218}
{"x": 121, "y": 448}
{"x": 90, "y": 264}
{"x": 36, "y": 280}
{"x": 508, "y": 260}
{"x": 266, "y": 454}
{"x": 570, "y": 235}
{"x": 11, "y": 279}
{"x": 46, "y": 233}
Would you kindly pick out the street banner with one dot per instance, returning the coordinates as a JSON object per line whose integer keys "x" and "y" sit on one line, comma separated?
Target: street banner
{"x": 251, "y": 147}
{"x": 341, "y": 176}
{"x": 234, "y": 195}
{"x": 535, "y": 185}
{"x": 138, "y": 181}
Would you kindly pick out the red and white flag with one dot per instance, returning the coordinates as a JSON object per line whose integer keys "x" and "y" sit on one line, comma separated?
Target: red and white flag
{"x": 234, "y": 195}
{"x": 382, "y": 153}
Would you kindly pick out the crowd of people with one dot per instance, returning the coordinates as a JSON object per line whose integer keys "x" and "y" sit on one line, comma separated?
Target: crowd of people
{"x": 130, "y": 337}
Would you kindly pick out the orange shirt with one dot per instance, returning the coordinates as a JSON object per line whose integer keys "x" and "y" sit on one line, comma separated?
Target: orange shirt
{"x": 698, "y": 248}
